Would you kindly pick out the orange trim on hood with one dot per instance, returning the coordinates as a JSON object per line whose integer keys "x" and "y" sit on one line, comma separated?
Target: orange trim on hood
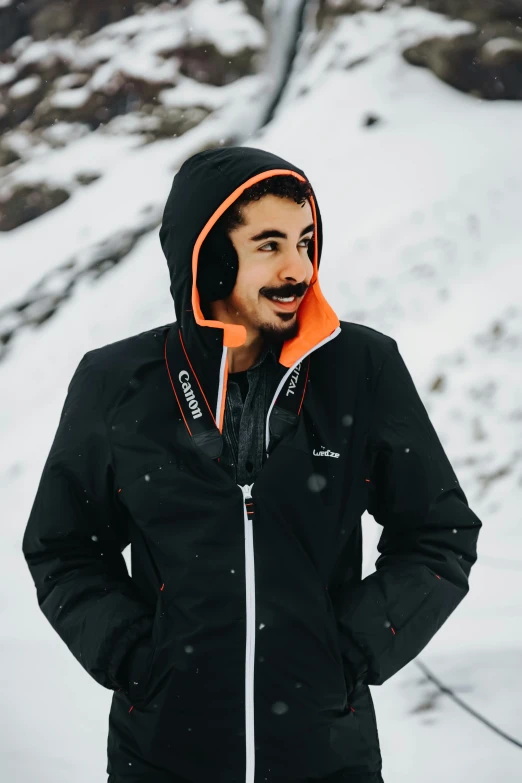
{"x": 316, "y": 318}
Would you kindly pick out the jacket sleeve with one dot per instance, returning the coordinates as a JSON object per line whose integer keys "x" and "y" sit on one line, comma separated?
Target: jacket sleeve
{"x": 429, "y": 538}
{"x": 75, "y": 536}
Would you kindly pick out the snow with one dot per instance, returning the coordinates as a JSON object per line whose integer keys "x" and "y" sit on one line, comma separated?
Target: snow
{"x": 8, "y": 73}
{"x": 24, "y": 87}
{"x": 422, "y": 240}
{"x": 138, "y": 65}
{"x": 70, "y": 99}
{"x": 496, "y": 46}
{"x": 62, "y": 133}
{"x": 227, "y": 26}
{"x": 189, "y": 92}
{"x": 69, "y": 81}
{"x": 43, "y": 52}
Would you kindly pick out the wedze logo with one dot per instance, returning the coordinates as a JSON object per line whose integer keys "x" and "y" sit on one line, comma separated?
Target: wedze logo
{"x": 293, "y": 380}
{"x": 189, "y": 395}
{"x": 326, "y": 453}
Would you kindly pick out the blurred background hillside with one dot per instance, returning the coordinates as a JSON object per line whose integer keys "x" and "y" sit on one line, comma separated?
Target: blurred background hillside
{"x": 407, "y": 118}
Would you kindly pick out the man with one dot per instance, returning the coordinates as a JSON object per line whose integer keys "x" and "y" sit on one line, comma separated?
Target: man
{"x": 236, "y": 450}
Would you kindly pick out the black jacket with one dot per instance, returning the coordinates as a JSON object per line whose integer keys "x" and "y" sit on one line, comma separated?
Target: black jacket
{"x": 245, "y": 630}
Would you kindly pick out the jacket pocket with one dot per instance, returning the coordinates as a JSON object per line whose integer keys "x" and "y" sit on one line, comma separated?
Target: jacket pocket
{"x": 139, "y": 671}
{"x": 142, "y": 662}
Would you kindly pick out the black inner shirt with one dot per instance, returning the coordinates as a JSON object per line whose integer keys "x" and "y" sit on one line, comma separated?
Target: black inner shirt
{"x": 242, "y": 381}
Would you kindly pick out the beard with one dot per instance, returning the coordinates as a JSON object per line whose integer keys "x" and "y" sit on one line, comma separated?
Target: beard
{"x": 277, "y": 335}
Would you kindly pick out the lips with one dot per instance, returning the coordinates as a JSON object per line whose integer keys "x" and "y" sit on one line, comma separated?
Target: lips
{"x": 287, "y": 307}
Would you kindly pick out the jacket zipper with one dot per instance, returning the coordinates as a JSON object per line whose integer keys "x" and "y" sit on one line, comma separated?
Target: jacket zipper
{"x": 250, "y": 599}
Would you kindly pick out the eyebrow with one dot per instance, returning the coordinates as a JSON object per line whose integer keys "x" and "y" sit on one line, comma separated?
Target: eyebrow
{"x": 269, "y": 233}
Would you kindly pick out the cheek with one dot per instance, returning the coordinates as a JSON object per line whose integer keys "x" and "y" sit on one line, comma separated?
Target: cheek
{"x": 249, "y": 281}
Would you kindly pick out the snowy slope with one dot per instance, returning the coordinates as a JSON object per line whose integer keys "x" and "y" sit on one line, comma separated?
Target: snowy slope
{"x": 422, "y": 241}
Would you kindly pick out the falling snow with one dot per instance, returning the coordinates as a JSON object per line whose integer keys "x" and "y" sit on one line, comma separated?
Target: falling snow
{"x": 316, "y": 482}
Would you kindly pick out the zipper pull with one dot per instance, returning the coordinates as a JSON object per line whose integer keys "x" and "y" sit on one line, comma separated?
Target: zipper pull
{"x": 246, "y": 489}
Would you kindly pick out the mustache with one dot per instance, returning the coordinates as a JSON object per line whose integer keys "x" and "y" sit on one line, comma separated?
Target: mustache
{"x": 287, "y": 290}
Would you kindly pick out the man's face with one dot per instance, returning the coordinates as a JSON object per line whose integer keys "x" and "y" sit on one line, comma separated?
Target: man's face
{"x": 272, "y": 248}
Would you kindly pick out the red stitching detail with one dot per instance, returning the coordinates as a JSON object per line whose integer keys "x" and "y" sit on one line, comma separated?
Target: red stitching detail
{"x": 195, "y": 376}
{"x": 131, "y": 708}
{"x": 393, "y": 630}
{"x": 305, "y": 385}
{"x": 174, "y": 388}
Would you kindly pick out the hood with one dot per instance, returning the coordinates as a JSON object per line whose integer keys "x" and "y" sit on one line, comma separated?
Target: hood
{"x": 202, "y": 190}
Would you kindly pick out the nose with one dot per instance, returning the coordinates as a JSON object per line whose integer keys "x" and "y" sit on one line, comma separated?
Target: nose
{"x": 295, "y": 267}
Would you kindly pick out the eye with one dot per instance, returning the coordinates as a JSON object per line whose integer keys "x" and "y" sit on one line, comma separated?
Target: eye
{"x": 269, "y": 247}
{"x": 307, "y": 241}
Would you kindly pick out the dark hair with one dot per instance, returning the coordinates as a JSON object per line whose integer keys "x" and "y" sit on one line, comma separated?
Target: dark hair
{"x": 281, "y": 185}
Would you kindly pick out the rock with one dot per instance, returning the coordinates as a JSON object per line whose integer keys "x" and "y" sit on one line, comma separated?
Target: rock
{"x": 12, "y": 25}
{"x": 43, "y": 19}
{"x": 174, "y": 122}
{"x": 487, "y": 63}
{"x": 65, "y": 16}
{"x": 206, "y": 64}
{"x": 158, "y": 122}
{"x": 27, "y": 202}
{"x": 20, "y": 100}
{"x": 371, "y": 119}
{"x": 328, "y": 9}
{"x": 255, "y": 8}
{"x": 474, "y": 10}
{"x": 122, "y": 94}
{"x": 86, "y": 177}
{"x": 56, "y": 18}
{"x": 438, "y": 384}
{"x": 7, "y": 155}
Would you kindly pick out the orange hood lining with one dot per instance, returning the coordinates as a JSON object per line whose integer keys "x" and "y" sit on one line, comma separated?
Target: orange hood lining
{"x": 316, "y": 318}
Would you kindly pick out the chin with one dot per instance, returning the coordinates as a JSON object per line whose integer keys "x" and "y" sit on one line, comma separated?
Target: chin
{"x": 280, "y": 333}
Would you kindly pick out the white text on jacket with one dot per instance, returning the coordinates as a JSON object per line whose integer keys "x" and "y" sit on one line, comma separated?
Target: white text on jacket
{"x": 189, "y": 395}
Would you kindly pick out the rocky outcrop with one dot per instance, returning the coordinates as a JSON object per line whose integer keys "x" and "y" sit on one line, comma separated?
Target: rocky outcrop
{"x": 42, "y": 19}
{"x": 47, "y": 78}
{"x": 475, "y": 10}
{"x": 486, "y": 62}
{"x": 7, "y": 155}
{"x": 329, "y": 9}
{"x": 155, "y": 74}
{"x": 23, "y": 203}
{"x": 205, "y": 63}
